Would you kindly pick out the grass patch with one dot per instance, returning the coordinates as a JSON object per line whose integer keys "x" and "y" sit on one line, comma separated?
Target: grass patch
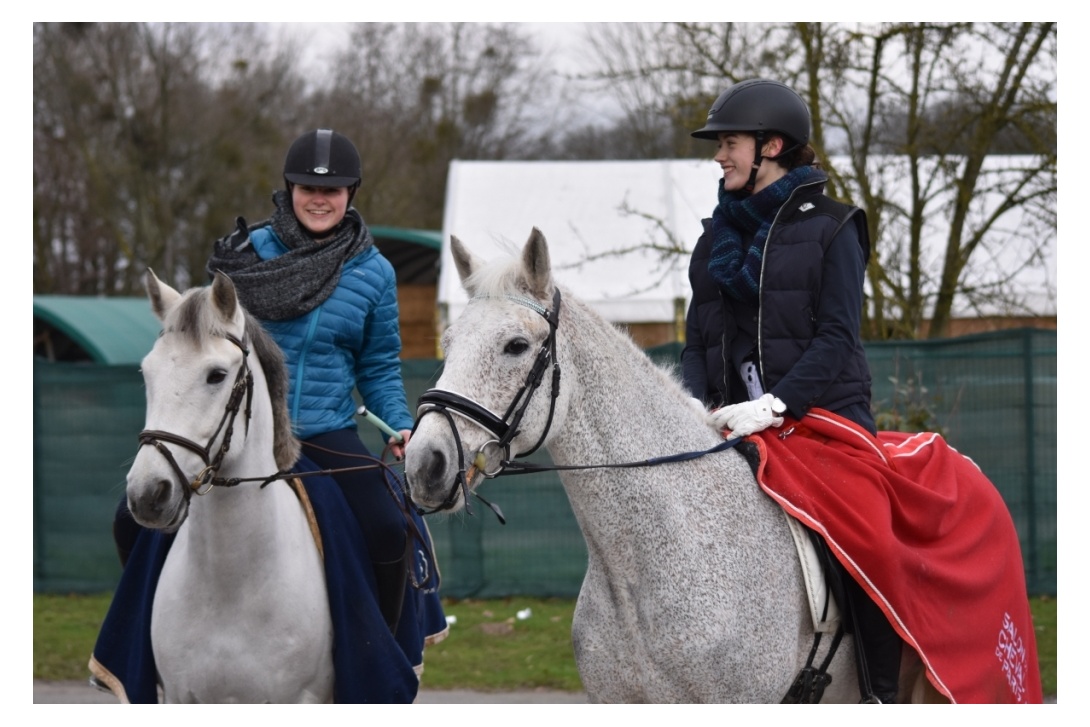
{"x": 65, "y": 630}
{"x": 489, "y": 648}
{"x": 1044, "y": 625}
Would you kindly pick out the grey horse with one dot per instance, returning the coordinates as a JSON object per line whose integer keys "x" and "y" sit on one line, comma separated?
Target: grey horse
{"x": 693, "y": 592}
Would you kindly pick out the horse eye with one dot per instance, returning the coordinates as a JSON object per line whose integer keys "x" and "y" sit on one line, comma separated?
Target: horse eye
{"x": 516, "y": 347}
{"x": 216, "y": 376}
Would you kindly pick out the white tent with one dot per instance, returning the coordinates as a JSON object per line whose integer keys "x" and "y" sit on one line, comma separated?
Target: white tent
{"x": 584, "y": 209}
{"x": 592, "y": 211}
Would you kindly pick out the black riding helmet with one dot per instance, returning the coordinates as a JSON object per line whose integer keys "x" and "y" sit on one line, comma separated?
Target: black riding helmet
{"x": 759, "y": 107}
{"x": 323, "y": 158}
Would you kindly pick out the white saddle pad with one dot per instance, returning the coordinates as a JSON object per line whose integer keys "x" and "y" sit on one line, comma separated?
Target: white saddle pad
{"x": 823, "y": 608}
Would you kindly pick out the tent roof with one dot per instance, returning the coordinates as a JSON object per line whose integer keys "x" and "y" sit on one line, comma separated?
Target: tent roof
{"x": 413, "y": 253}
{"x": 108, "y": 330}
{"x": 584, "y": 208}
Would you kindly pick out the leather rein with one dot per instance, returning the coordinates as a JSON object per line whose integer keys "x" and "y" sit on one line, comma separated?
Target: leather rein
{"x": 208, "y": 477}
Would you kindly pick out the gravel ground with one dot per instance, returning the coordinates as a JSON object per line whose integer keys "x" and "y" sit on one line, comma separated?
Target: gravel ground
{"x": 83, "y": 693}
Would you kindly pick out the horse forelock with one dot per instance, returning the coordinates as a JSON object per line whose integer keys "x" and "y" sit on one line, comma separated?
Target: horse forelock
{"x": 195, "y": 317}
{"x": 505, "y": 277}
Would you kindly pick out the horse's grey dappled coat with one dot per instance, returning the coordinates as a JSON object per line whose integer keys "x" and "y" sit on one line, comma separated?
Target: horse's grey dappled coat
{"x": 693, "y": 591}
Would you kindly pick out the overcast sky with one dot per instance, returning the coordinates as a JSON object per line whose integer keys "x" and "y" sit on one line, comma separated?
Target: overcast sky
{"x": 562, "y": 43}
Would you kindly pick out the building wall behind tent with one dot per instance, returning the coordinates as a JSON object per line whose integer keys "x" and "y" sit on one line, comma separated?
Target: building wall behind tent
{"x": 415, "y": 257}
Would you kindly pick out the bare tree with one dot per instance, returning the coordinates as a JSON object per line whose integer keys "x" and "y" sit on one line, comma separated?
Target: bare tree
{"x": 144, "y": 135}
{"x": 942, "y": 98}
{"x": 930, "y": 103}
{"x": 150, "y": 138}
{"x": 414, "y": 96}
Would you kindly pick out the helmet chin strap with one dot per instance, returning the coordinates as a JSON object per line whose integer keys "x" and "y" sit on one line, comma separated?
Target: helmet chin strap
{"x": 757, "y": 159}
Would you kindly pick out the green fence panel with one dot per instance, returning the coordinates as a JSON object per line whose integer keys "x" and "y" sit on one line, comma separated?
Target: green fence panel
{"x": 993, "y": 396}
{"x": 86, "y": 419}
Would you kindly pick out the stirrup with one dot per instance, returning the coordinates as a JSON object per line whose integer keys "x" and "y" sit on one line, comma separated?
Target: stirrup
{"x": 808, "y": 687}
{"x": 99, "y": 685}
{"x": 873, "y": 699}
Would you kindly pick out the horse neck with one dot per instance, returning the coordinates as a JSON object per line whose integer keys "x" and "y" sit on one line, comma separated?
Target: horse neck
{"x": 623, "y": 407}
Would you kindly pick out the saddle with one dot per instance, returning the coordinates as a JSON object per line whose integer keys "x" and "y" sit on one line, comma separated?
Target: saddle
{"x": 818, "y": 571}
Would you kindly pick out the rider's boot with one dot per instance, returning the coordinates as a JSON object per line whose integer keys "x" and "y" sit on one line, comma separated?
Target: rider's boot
{"x": 391, "y": 578}
{"x": 879, "y": 658}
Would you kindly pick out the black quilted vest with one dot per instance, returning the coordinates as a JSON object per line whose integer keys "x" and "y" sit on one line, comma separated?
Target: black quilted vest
{"x": 783, "y": 325}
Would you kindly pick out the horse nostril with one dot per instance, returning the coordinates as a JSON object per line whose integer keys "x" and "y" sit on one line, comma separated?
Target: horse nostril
{"x": 437, "y": 468}
{"x": 161, "y": 493}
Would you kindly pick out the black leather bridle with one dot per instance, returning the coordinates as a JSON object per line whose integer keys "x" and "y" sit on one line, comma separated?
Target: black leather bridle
{"x": 503, "y": 428}
{"x": 243, "y": 385}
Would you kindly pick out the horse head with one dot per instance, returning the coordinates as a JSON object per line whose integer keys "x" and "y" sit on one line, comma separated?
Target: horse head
{"x": 200, "y": 381}
{"x": 501, "y": 392}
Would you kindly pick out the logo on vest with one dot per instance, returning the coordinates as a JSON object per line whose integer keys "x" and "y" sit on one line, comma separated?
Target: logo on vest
{"x": 806, "y": 206}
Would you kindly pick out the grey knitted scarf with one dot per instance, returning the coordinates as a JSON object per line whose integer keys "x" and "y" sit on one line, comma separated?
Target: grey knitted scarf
{"x": 298, "y": 281}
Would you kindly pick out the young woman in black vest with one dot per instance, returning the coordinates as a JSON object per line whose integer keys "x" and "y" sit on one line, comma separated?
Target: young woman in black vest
{"x": 774, "y": 322}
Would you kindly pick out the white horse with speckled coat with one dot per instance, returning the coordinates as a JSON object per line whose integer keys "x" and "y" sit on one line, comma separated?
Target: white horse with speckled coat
{"x": 693, "y": 590}
{"x": 240, "y": 611}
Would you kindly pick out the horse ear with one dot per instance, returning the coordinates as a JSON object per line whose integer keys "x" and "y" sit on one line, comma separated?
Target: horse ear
{"x": 535, "y": 261}
{"x": 224, "y": 296}
{"x": 463, "y": 260}
{"x": 161, "y": 295}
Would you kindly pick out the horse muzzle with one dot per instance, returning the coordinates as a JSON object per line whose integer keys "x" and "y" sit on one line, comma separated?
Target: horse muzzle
{"x": 435, "y": 480}
{"x": 156, "y": 498}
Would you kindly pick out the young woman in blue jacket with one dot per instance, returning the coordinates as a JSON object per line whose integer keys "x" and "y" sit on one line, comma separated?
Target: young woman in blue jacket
{"x": 312, "y": 275}
{"x": 773, "y": 325}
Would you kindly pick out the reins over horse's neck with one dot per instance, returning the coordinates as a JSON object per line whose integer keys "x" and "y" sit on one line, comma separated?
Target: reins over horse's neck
{"x": 623, "y": 406}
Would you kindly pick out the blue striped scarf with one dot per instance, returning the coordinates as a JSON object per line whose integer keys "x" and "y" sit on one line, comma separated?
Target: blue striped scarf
{"x": 735, "y": 267}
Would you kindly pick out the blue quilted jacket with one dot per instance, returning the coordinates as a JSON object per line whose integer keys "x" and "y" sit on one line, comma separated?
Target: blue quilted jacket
{"x": 350, "y": 340}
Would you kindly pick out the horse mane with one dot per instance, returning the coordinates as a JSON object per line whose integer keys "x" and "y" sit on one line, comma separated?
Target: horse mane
{"x": 286, "y": 447}
{"x": 507, "y": 277}
{"x": 593, "y": 323}
{"x": 195, "y": 317}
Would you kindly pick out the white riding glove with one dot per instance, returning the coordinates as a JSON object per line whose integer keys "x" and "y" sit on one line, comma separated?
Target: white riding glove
{"x": 697, "y": 404}
{"x": 749, "y": 416}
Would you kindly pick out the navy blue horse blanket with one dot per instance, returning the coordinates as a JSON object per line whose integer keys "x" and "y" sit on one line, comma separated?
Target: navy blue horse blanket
{"x": 370, "y": 664}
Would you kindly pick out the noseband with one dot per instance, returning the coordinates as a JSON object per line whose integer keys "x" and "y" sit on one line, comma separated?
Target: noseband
{"x": 244, "y": 384}
{"x": 505, "y": 428}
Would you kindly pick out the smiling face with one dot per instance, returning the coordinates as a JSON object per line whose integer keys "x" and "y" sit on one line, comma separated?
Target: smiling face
{"x": 736, "y": 154}
{"x": 319, "y": 209}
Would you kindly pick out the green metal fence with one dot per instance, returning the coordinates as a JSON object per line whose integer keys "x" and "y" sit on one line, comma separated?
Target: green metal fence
{"x": 992, "y": 395}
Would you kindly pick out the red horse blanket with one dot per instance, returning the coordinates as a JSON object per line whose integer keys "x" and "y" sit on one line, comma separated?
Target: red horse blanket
{"x": 928, "y": 536}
